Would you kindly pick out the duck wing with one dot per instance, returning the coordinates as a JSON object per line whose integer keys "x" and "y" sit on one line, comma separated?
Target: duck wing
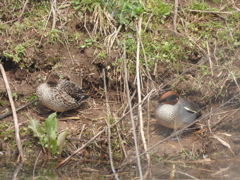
{"x": 192, "y": 107}
{"x": 73, "y": 90}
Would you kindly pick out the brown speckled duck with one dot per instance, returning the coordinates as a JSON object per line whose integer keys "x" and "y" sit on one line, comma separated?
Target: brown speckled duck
{"x": 60, "y": 94}
{"x": 176, "y": 112}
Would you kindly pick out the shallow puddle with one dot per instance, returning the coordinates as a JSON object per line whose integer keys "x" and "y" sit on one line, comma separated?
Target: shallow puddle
{"x": 214, "y": 170}
{"x": 224, "y": 169}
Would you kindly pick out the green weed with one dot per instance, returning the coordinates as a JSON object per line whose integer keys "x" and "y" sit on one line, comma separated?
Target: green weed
{"x": 6, "y": 132}
{"x": 47, "y": 135}
{"x": 17, "y": 54}
{"x": 124, "y": 12}
{"x": 54, "y": 37}
{"x": 88, "y": 43}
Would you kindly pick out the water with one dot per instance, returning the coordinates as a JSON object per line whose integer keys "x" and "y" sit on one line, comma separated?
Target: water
{"x": 44, "y": 169}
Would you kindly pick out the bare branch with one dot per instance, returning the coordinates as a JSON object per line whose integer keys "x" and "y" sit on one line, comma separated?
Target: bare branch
{"x": 175, "y": 16}
{"x": 139, "y": 86}
{"x": 109, "y": 126}
{"x": 212, "y": 12}
{"x": 15, "y": 118}
{"x": 131, "y": 115}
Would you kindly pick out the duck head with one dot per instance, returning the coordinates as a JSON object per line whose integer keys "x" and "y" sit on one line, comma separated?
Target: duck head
{"x": 170, "y": 97}
{"x": 53, "y": 80}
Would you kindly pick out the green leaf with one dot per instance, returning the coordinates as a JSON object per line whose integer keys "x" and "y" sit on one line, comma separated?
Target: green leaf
{"x": 36, "y": 128}
{"x": 53, "y": 146}
{"x": 51, "y": 126}
{"x": 61, "y": 140}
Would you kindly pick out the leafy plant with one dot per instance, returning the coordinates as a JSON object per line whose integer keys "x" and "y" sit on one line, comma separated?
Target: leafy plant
{"x": 123, "y": 12}
{"x": 15, "y": 96}
{"x": 54, "y": 36}
{"x": 47, "y": 135}
{"x": 6, "y": 132}
{"x": 88, "y": 42}
{"x": 32, "y": 97}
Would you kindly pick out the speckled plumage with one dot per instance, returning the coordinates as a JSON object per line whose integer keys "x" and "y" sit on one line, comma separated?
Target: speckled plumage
{"x": 60, "y": 94}
{"x": 175, "y": 112}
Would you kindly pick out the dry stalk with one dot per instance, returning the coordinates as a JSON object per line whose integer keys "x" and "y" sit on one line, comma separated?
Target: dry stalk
{"x": 20, "y": 15}
{"x": 235, "y": 79}
{"x": 35, "y": 164}
{"x": 121, "y": 142}
{"x": 126, "y": 107}
{"x": 139, "y": 86}
{"x": 83, "y": 128}
{"x": 214, "y": 51}
{"x": 49, "y": 15}
{"x": 175, "y": 16}
{"x": 67, "y": 45}
{"x": 150, "y": 17}
{"x": 147, "y": 71}
{"x": 214, "y": 126}
{"x": 148, "y": 119}
{"x": 18, "y": 109}
{"x": 109, "y": 125}
{"x": 17, "y": 170}
{"x": 109, "y": 40}
{"x": 53, "y": 11}
{"x": 190, "y": 38}
{"x": 186, "y": 174}
{"x": 85, "y": 26}
{"x": 212, "y": 12}
{"x": 209, "y": 58}
{"x": 98, "y": 21}
{"x": 131, "y": 115}
{"x": 79, "y": 149}
{"x": 15, "y": 118}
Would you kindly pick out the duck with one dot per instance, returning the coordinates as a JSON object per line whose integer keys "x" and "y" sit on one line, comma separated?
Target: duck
{"x": 60, "y": 94}
{"x": 175, "y": 112}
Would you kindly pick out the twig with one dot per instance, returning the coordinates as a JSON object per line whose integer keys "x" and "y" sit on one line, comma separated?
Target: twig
{"x": 109, "y": 124}
{"x": 175, "y": 16}
{"x": 85, "y": 26}
{"x": 53, "y": 7}
{"x": 214, "y": 51}
{"x": 214, "y": 126}
{"x": 67, "y": 45}
{"x": 20, "y": 15}
{"x": 150, "y": 17}
{"x": 235, "y": 80}
{"x": 110, "y": 39}
{"x": 190, "y": 38}
{"x": 186, "y": 174}
{"x": 79, "y": 149}
{"x": 212, "y": 12}
{"x": 209, "y": 59}
{"x": 147, "y": 72}
{"x": 17, "y": 170}
{"x": 139, "y": 86}
{"x": 15, "y": 119}
{"x": 45, "y": 27}
{"x": 121, "y": 142}
{"x": 131, "y": 114}
{"x": 35, "y": 164}
{"x": 18, "y": 109}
